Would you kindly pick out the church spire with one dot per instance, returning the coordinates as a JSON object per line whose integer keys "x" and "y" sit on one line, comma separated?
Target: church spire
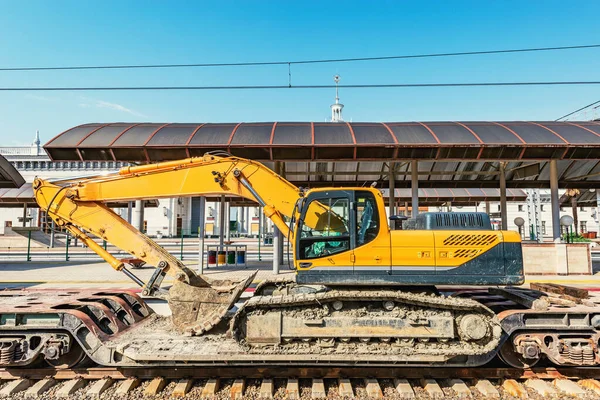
{"x": 336, "y": 109}
{"x": 37, "y": 143}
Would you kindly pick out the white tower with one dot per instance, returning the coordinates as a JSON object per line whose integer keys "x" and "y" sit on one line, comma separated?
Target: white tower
{"x": 36, "y": 144}
{"x": 336, "y": 109}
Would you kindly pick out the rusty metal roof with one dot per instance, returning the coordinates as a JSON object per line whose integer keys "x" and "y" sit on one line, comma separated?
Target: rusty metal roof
{"x": 301, "y": 141}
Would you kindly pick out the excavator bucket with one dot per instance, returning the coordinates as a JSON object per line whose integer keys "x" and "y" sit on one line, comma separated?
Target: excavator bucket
{"x": 197, "y": 309}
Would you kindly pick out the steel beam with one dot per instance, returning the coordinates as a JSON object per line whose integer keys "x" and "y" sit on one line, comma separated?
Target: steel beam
{"x": 414, "y": 187}
{"x": 392, "y": 196}
{"x": 201, "y": 233}
{"x": 554, "y": 200}
{"x": 222, "y": 223}
{"x": 503, "y": 207}
{"x": 276, "y": 243}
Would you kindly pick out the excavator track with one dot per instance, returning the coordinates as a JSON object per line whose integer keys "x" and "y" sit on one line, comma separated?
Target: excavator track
{"x": 412, "y": 326}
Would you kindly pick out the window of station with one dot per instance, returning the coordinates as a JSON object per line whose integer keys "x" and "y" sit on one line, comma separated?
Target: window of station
{"x": 520, "y": 207}
{"x": 543, "y": 227}
{"x": 324, "y": 230}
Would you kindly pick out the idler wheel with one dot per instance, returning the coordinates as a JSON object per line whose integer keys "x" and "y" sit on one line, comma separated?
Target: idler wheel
{"x": 473, "y": 327}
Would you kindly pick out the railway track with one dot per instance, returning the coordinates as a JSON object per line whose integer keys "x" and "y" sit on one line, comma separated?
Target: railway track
{"x": 300, "y": 383}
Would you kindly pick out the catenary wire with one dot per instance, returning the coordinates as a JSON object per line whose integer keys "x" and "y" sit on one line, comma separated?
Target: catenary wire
{"x": 576, "y": 111}
{"x": 314, "y": 61}
{"x": 275, "y": 87}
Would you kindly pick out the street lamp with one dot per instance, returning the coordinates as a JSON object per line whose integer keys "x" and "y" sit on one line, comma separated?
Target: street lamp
{"x": 519, "y": 222}
{"x": 566, "y": 221}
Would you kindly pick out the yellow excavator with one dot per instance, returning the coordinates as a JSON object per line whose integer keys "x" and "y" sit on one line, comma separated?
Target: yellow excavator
{"x": 358, "y": 282}
{"x": 364, "y": 294}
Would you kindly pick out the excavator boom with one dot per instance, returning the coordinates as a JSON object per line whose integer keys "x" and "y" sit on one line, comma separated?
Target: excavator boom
{"x": 197, "y": 302}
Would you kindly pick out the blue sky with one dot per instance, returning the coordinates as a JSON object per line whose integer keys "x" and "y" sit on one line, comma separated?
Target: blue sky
{"x": 43, "y": 33}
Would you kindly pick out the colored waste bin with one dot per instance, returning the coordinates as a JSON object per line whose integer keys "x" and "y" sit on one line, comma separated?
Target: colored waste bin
{"x": 221, "y": 257}
{"x": 231, "y": 257}
{"x": 241, "y": 257}
{"x": 212, "y": 256}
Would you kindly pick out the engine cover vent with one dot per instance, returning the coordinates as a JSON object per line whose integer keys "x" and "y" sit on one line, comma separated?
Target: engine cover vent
{"x": 454, "y": 221}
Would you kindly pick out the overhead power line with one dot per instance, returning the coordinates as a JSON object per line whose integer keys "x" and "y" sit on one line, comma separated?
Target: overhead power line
{"x": 314, "y": 61}
{"x": 579, "y": 109}
{"x": 276, "y": 87}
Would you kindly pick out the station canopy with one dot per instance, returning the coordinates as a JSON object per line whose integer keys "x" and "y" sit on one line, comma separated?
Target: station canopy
{"x": 9, "y": 176}
{"x": 449, "y": 154}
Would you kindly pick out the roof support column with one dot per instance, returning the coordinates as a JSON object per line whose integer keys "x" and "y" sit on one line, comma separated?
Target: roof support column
{"x": 222, "y": 223}
{"x": 277, "y": 235}
{"x": 201, "y": 217}
{"x": 503, "y": 207}
{"x": 414, "y": 175}
{"x": 24, "y": 215}
{"x": 277, "y": 246}
{"x": 598, "y": 210}
{"x": 139, "y": 215}
{"x": 52, "y": 234}
{"x": 554, "y": 201}
{"x": 392, "y": 196}
{"x": 129, "y": 211}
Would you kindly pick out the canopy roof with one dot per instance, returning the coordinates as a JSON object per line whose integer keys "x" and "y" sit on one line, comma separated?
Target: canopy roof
{"x": 301, "y": 141}
{"x": 9, "y": 176}
{"x": 450, "y": 154}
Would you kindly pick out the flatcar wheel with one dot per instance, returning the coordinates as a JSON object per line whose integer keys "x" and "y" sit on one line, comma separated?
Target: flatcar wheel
{"x": 509, "y": 356}
{"x": 74, "y": 357}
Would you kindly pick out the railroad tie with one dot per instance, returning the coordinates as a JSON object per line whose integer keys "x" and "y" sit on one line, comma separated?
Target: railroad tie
{"x": 590, "y": 384}
{"x": 156, "y": 386}
{"x": 292, "y": 390}
{"x": 486, "y": 388}
{"x": 373, "y": 389}
{"x": 70, "y": 387}
{"x": 40, "y": 387}
{"x": 266, "y": 389}
{"x": 210, "y": 389}
{"x": 237, "y": 389}
{"x": 182, "y": 388}
{"x": 318, "y": 389}
{"x": 345, "y": 388}
{"x": 541, "y": 387}
{"x": 515, "y": 389}
{"x": 432, "y": 388}
{"x": 15, "y": 386}
{"x": 127, "y": 386}
{"x": 404, "y": 389}
{"x": 461, "y": 389}
{"x": 99, "y": 387}
{"x": 569, "y": 387}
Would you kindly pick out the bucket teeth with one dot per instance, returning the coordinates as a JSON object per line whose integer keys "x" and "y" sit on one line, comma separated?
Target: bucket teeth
{"x": 196, "y": 310}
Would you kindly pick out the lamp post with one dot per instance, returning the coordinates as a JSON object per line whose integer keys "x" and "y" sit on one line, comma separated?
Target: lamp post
{"x": 566, "y": 221}
{"x": 519, "y": 222}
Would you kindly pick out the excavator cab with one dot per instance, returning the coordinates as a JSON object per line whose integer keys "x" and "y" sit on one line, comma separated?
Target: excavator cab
{"x": 331, "y": 225}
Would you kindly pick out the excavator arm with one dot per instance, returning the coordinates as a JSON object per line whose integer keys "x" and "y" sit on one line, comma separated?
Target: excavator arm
{"x": 197, "y": 302}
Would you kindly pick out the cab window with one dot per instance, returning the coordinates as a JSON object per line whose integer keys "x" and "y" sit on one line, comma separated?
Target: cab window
{"x": 367, "y": 218}
{"x": 324, "y": 230}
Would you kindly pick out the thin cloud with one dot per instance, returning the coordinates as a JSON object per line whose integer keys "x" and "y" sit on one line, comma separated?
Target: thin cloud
{"x": 111, "y": 106}
{"x": 40, "y": 98}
